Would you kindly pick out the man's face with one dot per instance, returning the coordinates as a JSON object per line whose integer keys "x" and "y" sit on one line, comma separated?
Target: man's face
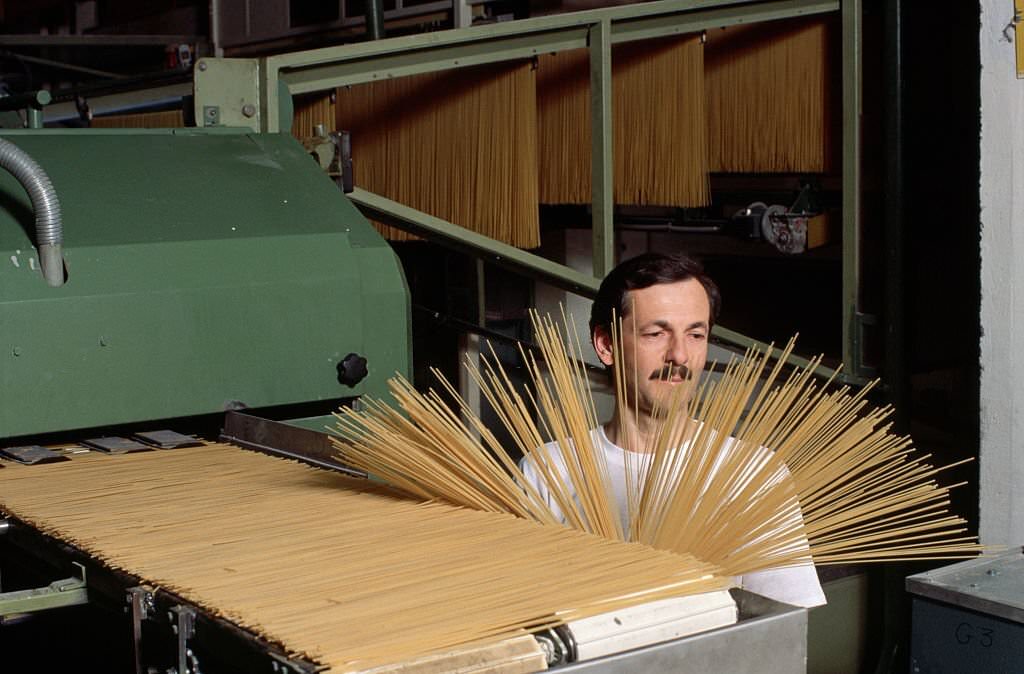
{"x": 664, "y": 341}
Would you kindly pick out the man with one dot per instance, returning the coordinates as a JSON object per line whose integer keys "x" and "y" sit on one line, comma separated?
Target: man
{"x": 668, "y": 307}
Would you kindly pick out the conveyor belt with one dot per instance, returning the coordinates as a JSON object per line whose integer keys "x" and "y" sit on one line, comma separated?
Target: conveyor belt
{"x": 337, "y": 571}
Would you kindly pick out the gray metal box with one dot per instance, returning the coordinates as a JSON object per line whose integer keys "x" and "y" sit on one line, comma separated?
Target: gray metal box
{"x": 769, "y": 638}
{"x": 969, "y": 617}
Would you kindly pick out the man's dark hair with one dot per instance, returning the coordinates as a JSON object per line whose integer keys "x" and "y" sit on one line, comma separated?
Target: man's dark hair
{"x": 644, "y": 271}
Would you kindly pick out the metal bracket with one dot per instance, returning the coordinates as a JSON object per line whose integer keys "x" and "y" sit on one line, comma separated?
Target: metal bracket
{"x": 58, "y": 594}
{"x": 861, "y": 368}
{"x": 227, "y": 93}
{"x": 32, "y": 454}
{"x": 558, "y": 644}
{"x": 141, "y": 605}
{"x": 275, "y": 437}
{"x": 183, "y": 624}
{"x": 211, "y": 115}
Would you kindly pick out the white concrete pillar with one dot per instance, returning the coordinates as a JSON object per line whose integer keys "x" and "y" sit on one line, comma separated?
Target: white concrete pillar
{"x": 1002, "y": 282}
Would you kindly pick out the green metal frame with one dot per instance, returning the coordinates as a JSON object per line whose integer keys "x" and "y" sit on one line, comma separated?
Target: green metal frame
{"x": 71, "y": 591}
{"x": 853, "y": 319}
{"x": 265, "y": 110}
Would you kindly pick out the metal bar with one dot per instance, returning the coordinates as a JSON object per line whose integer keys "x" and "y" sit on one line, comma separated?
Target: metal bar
{"x": 345, "y": 72}
{"x": 318, "y": 69}
{"x": 763, "y": 626}
{"x": 738, "y": 339}
{"x": 183, "y": 622}
{"x": 215, "y": 28}
{"x": 851, "y": 19}
{"x": 462, "y": 14}
{"x": 602, "y": 195}
{"x": 58, "y": 594}
{"x": 113, "y": 103}
{"x": 628, "y": 30}
{"x": 68, "y": 66}
{"x": 140, "y": 607}
{"x": 435, "y": 229}
{"x": 470, "y": 344}
{"x": 280, "y": 439}
{"x": 894, "y": 371}
{"x": 267, "y": 78}
{"x": 36, "y": 40}
{"x": 374, "y": 19}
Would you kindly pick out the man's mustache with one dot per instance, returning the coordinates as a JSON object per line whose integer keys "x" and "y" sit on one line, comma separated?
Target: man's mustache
{"x": 670, "y": 370}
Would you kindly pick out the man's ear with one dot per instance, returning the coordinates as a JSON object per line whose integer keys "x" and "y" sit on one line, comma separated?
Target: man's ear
{"x": 603, "y": 345}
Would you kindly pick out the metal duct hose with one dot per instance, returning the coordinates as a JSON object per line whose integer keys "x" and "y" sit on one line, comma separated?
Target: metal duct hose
{"x": 49, "y": 230}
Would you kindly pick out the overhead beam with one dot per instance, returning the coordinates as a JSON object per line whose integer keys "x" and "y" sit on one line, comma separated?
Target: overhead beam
{"x": 330, "y": 67}
{"x": 602, "y": 194}
{"x": 35, "y": 40}
{"x": 853, "y": 325}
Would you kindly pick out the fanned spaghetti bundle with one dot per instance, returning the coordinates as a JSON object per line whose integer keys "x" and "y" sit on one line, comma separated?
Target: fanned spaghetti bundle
{"x": 706, "y": 485}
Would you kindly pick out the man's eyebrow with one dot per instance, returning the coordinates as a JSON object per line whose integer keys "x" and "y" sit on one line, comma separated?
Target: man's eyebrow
{"x": 664, "y": 325}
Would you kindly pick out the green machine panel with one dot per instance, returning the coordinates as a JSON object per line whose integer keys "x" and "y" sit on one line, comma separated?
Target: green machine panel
{"x": 204, "y": 267}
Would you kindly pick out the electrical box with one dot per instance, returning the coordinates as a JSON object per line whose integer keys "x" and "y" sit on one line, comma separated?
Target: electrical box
{"x": 969, "y": 617}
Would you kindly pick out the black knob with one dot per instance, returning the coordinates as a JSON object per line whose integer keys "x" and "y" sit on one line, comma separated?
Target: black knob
{"x": 352, "y": 369}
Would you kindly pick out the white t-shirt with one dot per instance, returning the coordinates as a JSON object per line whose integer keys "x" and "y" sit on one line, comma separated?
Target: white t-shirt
{"x": 796, "y": 585}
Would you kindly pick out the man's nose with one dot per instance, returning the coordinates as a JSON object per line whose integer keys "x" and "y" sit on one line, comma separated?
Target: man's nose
{"x": 677, "y": 353}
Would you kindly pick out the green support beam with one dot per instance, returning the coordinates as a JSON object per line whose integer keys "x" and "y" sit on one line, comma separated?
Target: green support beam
{"x": 58, "y": 594}
{"x": 601, "y": 165}
{"x": 852, "y": 327}
{"x": 417, "y": 222}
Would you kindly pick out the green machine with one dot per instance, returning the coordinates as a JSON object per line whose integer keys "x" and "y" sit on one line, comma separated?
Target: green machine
{"x": 203, "y": 270}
